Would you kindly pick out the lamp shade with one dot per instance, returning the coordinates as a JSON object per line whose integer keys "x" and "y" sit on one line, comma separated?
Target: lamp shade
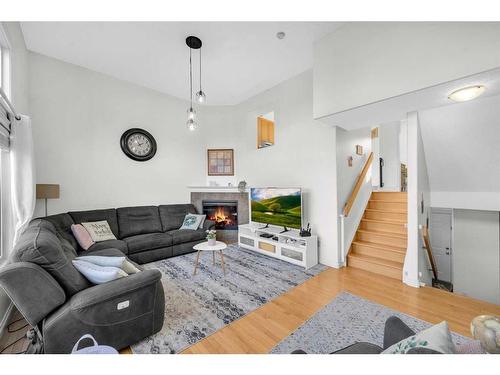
{"x": 47, "y": 191}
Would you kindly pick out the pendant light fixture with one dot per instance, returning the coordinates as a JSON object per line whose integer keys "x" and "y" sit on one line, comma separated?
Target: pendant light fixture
{"x": 193, "y": 43}
{"x": 200, "y": 95}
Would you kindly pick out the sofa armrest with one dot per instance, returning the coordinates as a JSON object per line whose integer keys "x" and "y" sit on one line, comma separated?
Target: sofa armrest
{"x": 395, "y": 331}
{"x": 208, "y": 224}
{"x": 114, "y": 289}
{"x": 118, "y": 313}
{"x": 34, "y": 292}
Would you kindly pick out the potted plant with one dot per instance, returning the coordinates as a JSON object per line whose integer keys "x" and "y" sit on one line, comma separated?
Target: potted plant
{"x": 211, "y": 237}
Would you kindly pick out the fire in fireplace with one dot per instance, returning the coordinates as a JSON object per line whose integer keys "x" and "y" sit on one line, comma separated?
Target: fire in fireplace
{"x": 224, "y": 213}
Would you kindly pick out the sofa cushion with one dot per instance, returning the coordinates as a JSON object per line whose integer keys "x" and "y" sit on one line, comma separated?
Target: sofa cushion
{"x": 117, "y": 244}
{"x": 138, "y": 220}
{"x": 41, "y": 244}
{"x": 148, "y": 241}
{"x": 173, "y": 215}
{"x": 63, "y": 223}
{"x": 184, "y": 235}
{"x": 97, "y": 215}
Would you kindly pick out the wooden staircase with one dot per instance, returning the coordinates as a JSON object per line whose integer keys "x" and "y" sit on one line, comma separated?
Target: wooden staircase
{"x": 379, "y": 245}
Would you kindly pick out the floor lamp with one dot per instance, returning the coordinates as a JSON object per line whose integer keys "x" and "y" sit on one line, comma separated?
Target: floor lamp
{"x": 47, "y": 191}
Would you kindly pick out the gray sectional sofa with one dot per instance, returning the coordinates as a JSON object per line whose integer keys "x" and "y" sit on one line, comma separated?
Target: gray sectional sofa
{"x": 63, "y": 305}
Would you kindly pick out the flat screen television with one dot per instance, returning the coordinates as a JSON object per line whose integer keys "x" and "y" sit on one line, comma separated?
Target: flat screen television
{"x": 277, "y": 206}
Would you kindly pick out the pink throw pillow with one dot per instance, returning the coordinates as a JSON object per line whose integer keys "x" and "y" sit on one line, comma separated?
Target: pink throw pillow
{"x": 82, "y": 236}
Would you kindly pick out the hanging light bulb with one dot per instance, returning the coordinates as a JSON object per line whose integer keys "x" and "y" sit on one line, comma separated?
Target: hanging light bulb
{"x": 191, "y": 113}
{"x": 200, "y": 95}
{"x": 192, "y": 125}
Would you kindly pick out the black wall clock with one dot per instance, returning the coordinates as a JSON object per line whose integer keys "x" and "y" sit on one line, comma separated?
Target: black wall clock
{"x": 138, "y": 144}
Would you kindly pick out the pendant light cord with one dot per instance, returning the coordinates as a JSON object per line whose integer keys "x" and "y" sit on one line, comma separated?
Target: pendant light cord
{"x": 190, "y": 78}
{"x": 200, "y": 70}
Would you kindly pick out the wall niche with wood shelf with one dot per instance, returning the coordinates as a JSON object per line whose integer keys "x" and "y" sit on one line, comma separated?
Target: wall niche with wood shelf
{"x": 265, "y": 130}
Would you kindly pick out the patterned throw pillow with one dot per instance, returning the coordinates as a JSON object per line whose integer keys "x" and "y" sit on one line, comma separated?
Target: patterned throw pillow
{"x": 192, "y": 222}
{"x": 99, "y": 231}
{"x": 437, "y": 337}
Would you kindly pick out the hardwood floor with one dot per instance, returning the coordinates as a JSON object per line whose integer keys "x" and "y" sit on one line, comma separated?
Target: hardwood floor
{"x": 260, "y": 330}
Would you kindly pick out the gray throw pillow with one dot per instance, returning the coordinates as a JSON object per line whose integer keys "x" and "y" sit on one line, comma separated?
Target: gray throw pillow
{"x": 192, "y": 222}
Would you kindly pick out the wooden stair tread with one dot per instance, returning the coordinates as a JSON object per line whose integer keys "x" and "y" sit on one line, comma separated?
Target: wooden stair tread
{"x": 383, "y": 233}
{"x": 388, "y": 200}
{"x": 379, "y": 261}
{"x": 385, "y": 211}
{"x": 398, "y": 222}
{"x": 396, "y": 249}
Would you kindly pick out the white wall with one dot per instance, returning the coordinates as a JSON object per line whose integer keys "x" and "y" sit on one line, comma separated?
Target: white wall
{"x": 388, "y": 135}
{"x": 303, "y": 155}
{"x": 78, "y": 119}
{"x": 424, "y": 200}
{"x": 347, "y": 176}
{"x": 365, "y": 62}
{"x": 476, "y": 254}
{"x": 81, "y": 115}
{"x": 461, "y": 144}
{"x": 418, "y": 191}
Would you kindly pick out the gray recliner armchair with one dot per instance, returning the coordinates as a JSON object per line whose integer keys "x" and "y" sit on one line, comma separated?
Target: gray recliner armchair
{"x": 63, "y": 305}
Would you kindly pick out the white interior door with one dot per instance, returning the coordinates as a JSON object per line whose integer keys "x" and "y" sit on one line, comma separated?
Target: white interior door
{"x": 440, "y": 236}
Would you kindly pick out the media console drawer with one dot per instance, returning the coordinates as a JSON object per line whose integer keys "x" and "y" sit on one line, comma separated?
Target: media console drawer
{"x": 267, "y": 247}
{"x": 292, "y": 254}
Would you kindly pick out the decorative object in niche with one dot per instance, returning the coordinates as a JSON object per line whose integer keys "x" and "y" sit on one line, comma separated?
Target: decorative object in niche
{"x": 349, "y": 161}
{"x": 220, "y": 162}
{"x": 359, "y": 150}
{"x": 138, "y": 144}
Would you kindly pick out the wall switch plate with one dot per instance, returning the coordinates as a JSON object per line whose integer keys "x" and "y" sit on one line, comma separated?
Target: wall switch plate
{"x": 123, "y": 305}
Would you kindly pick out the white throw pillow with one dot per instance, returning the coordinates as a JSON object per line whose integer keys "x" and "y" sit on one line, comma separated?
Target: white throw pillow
{"x": 110, "y": 261}
{"x": 99, "y": 231}
{"x": 98, "y": 274}
{"x": 437, "y": 337}
{"x": 202, "y": 221}
{"x": 191, "y": 222}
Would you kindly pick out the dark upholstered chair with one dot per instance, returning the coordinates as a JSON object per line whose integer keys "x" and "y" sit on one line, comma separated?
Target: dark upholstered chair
{"x": 395, "y": 331}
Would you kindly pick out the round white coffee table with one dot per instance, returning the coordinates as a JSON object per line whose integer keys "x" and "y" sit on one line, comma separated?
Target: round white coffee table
{"x": 204, "y": 246}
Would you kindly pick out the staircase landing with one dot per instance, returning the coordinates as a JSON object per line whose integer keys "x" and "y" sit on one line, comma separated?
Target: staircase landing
{"x": 379, "y": 245}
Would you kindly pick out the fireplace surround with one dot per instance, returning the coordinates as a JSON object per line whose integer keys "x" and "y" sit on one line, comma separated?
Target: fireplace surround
{"x": 232, "y": 201}
{"x": 223, "y": 212}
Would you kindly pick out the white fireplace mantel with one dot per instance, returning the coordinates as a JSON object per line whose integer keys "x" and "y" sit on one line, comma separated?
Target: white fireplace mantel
{"x": 215, "y": 189}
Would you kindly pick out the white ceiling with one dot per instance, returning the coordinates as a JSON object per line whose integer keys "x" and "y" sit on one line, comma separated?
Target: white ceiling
{"x": 461, "y": 144}
{"x": 240, "y": 59}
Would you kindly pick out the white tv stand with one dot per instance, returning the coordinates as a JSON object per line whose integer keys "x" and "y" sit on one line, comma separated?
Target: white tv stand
{"x": 287, "y": 246}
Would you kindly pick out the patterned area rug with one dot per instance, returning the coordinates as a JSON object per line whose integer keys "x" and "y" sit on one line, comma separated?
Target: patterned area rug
{"x": 344, "y": 321}
{"x": 197, "y": 306}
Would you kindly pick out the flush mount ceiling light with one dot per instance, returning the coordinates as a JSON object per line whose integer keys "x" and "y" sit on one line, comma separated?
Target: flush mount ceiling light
{"x": 467, "y": 93}
{"x": 193, "y": 43}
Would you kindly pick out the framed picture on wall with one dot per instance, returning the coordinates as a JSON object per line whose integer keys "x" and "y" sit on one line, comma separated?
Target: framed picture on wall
{"x": 220, "y": 162}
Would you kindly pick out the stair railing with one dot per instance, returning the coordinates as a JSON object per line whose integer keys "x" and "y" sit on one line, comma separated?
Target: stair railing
{"x": 427, "y": 245}
{"x": 357, "y": 186}
{"x": 350, "y": 203}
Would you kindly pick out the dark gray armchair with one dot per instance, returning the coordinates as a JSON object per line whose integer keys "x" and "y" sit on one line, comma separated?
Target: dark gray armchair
{"x": 63, "y": 306}
{"x": 395, "y": 330}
